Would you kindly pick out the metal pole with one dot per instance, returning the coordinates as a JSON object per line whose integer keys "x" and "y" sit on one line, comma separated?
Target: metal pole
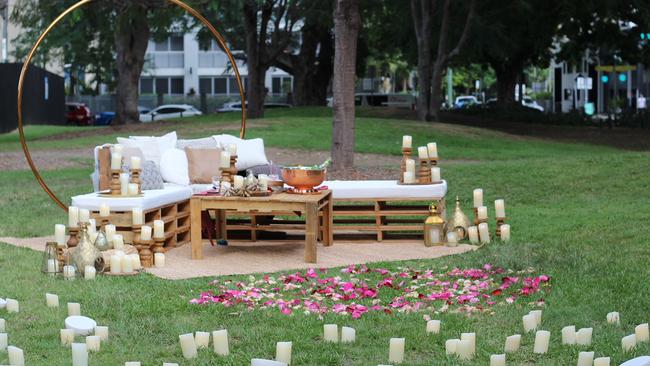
{"x": 450, "y": 86}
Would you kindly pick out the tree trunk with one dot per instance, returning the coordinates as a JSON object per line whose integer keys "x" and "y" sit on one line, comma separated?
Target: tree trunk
{"x": 421, "y": 13}
{"x": 131, "y": 38}
{"x": 506, "y": 81}
{"x": 347, "y": 22}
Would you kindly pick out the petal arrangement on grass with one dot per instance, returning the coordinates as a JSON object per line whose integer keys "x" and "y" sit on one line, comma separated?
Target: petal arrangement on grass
{"x": 358, "y": 290}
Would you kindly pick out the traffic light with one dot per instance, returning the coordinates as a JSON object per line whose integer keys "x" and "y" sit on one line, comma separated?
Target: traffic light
{"x": 604, "y": 79}
{"x": 622, "y": 78}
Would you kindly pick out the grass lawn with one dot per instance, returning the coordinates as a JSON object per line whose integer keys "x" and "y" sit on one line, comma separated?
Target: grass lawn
{"x": 577, "y": 214}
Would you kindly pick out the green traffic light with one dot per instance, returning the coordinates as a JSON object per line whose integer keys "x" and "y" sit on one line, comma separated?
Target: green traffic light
{"x": 604, "y": 79}
{"x": 622, "y": 78}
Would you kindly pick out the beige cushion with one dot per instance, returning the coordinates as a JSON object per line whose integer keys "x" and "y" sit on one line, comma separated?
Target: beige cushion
{"x": 203, "y": 164}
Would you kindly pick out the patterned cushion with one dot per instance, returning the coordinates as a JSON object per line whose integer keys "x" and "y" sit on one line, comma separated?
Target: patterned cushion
{"x": 150, "y": 176}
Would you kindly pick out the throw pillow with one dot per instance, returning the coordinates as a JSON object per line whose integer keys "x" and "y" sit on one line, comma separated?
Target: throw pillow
{"x": 202, "y": 143}
{"x": 150, "y": 176}
{"x": 249, "y": 152}
{"x": 203, "y": 164}
{"x": 151, "y": 147}
{"x": 173, "y": 167}
{"x": 128, "y": 153}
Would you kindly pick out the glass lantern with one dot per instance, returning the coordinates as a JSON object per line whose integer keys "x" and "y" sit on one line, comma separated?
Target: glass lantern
{"x": 434, "y": 227}
{"x": 51, "y": 265}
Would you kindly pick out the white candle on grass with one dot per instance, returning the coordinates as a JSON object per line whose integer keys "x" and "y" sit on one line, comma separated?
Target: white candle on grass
{"x": 484, "y": 232}
{"x": 4, "y": 342}
{"x": 482, "y": 213}
{"x": 569, "y": 335}
{"x": 158, "y": 229}
{"x": 132, "y": 363}
{"x": 145, "y": 232}
{"x": 202, "y": 339}
{"x": 159, "y": 260}
{"x": 74, "y": 308}
{"x": 498, "y": 360}
{"x": 138, "y": 217}
{"x": 59, "y": 234}
{"x": 423, "y": 154}
{"x": 435, "y": 174}
{"x": 124, "y": 183}
{"x": 542, "y": 339}
{"x": 52, "y": 300}
{"x": 73, "y": 216}
{"x": 126, "y": 264}
{"x": 505, "y": 232}
{"x": 51, "y": 266}
{"x": 118, "y": 242}
{"x": 451, "y": 345}
{"x": 500, "y": 208}
{"x": 116, "y": 264}
{"x": 538, "y": 316}
{"x": 69, "y": 272}
{"x": 396, "y": 350}
{"x": 220, "y": 342}
{"x": 104, "y": 210}
{"x": 585, "y": 358}
{"x": 601, "y": 361}
{"x": 452, "y": 237}
{"x": 13, "y": 306}
{"x": 170, "y": 364}
{"x": 432, "y": 150}
{"x": 79, "y": 354}
{"x": 614, "y": 318}
{"x": 628, "y": 342}
{"x": 471, "y": 337}
{"x": 90, "y": 272}
{"x": 512, "y": 343}
{"x": 472, "y": 233}
{"x": 116, "y": 161}
{"x": 642, "y": 333}
{"x": 136, "y": 162}
{"x": 84, "y": 215}
{"x": 135, "y": 261}
{"x": 530, "y": 323}
{"x": 102, "y": 332}
{"x": 93, "y": 343}
{"x": 331, "y": 333}
{"x": 478, "y": 197}
{"x": 67, "y": 336}
{"x": 16, "y": 356}
{"x": 433, "y": 326}
{"x": 583, "y": 336}
{"x": 410, "y": 165}
{"x": 348, "y": 335}
{"x": 188, "y": 346}
{"x": 283, "y": 352}
{"x": 407, "y": 141}
{"x": 464, "y": 349}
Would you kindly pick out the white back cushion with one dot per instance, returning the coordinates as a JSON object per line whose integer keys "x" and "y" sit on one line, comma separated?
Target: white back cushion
{"x": 250, "y": 153}
{"x": 152, "y": 147}
{"x": 174, "y": 167}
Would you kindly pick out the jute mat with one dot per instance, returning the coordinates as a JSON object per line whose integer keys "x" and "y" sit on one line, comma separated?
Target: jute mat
{"x": 262, "y": 257}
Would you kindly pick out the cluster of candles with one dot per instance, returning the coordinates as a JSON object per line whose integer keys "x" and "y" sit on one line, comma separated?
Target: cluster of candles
{"x": 481, "y": 233}
{"x": 124, "y": 263}
{"x": 425, "y": 153}
{"x": 126, "y": 188}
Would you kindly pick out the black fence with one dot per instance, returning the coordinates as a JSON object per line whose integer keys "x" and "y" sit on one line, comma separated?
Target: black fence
{"x": 43, "y": 97}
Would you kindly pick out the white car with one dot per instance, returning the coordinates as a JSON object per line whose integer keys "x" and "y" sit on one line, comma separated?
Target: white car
{"x": 169, "y": 111}
{"x": 528, "y": 102}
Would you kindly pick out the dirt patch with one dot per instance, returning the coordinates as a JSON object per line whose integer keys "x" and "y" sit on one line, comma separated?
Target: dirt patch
{"x": 46, "y": 159}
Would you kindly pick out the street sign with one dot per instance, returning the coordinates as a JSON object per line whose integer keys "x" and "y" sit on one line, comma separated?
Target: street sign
{"x": 617, "y": 68}
{"x": 583, "y": 83}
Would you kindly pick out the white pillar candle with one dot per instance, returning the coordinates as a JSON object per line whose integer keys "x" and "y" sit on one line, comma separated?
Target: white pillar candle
{"x": 628, "y": 342}
{"x": 12, "y": 306}
{"x": 117, "y": 148}
{"x": 601, "y": 361}
{"x": 138, "y": 217}
{"x": 263, "y": 362}
{"x": 93, "y": 343}
{"x": 263, "y": 180}
{"x": 452, "y": 237}
{"x": 52, "y": 300}
{"x": 512, "y": 343}
{"x": 110, "y": 232}
{"x": 59, "y": 234}
{"x": 16, "y": 356}
{"x": 225, "y": 159}
{"x": 133, "y": 189}
{"x": 585, "y": 358}
{"x": 641, "y": 332}
{"x": 435, "y": 174}
{"x": 116, "y": 161}
{"x": 471, "y": 337}
{"x": 170, "y": 364}
{"x": 79, "y": 354}
{"x": 505, "y": 232}
{"x": 569, "y": 335}
{"x": 542, "y": 338}
{"x": 410, "y": 165}
{"x": 136, "y": 162}
{"x": 3, "y": 325}
{"x": 478, "y": 197}
{"x": 74, "y": 308}
{"x": 116, "y": 264}
{"x": 232, "y": 149}
{"x": 238, "y": 182}
{"x": 484, "y": 232}
{"x": 145, "y": 232}
{"x": 348, "y": 335}
{"x": 472, "y": 233}
{"x": 51, "y": 266}
{"x": 498, "y": 360}
{"x": 613, "y": 318}
{"x": 432, "y": 149}
{"x": 422, "y": 153}
{"x": 500, "y": 208}
{"x": 409, "y": 178}
{"x": 132, "y": 363}
{"x": 530, "y": 323}
{"x": 433, "y": 326}
{"x": 102, "y": 332}
{"x": 451, "y": 345}
{"x": 188, "y": 346}
{"x": 84, "y": 215}
{"x": 482, "y": 213}
{"x": 4, "y": 342}
{"x": 583, "y": 336}
{"x": 124, "y": 184}
{"x": 202, "y": 339}
{"x": 135, "y": 261}
{"x": 407, "y": 141}
{"x": 220, "y": 342}
{"x": 331, "y": 333}
{"x": 396, "y": 350}
{"x": 126, "y": 264}
{"x": 158, "y": 229}
{"x": 118, "y": 242}
{"x": 67, "y": 336}
{"x": 73, "y": 216}
{"x": 104, "y": 210}
{"x": 89, "y": 272}
{"x": 283, "y": 352}
{"x": 159, "y": 260}
{"x": 69, "y": 272}
{"x": 538, "y": 316}
{"x": 464, "y": 350}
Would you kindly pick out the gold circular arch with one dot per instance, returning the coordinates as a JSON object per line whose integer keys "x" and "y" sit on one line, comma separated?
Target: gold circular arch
{"x": 218, "y": 37}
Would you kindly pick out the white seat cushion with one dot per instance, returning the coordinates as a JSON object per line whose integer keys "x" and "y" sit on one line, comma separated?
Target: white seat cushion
{"x": 369, "y": 189}
{"x": 151, "y": 199}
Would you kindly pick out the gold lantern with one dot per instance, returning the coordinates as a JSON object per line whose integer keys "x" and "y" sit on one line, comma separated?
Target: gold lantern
{"x": 458, "y": 222}
{"x": 86, "y": 254}
{"x": 50, "y": 263}
{"x": 434, "y": 227}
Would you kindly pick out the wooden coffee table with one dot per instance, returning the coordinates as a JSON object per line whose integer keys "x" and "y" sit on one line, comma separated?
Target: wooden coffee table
{"x": 311, "y": 205}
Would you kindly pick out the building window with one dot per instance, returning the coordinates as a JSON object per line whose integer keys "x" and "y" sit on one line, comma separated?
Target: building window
{"x": 232, "y": 87}
{"x": 281, "y": 84}
{"x": 221, "y": 85}
{"x": 205, "y": 86}
{"x": 165, "y": 85}
{"x": 171, "y": 43}
{"x": 162, "y": 86}
{"x": 177, "y": 85}
{"x": 146, "y": 86}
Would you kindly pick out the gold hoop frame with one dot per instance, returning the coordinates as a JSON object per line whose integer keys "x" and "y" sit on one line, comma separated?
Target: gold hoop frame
{"x": 218, "y": 37}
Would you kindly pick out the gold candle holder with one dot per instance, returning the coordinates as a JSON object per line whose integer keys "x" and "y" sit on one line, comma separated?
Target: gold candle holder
{"x": 433, "y": 162}
{"x": 135, "y": 178}
{"x": 424, "y": 173}
{"x": 158, "y": 246}
{"x": 115, "y": 182}
{"x": 500, "y": 221}
{"x": 476, "y": 219}
{"x": 143, "y": 247}
{"x": 233, "y": 169}
{"x": 73, "y": 241}
{"x": 61, "y": 255}
{"x": 406, "y": 154}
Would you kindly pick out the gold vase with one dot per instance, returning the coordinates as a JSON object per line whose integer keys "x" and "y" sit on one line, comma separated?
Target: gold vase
{"x": 86, "y": 254}
{"x": 459, "y": 221}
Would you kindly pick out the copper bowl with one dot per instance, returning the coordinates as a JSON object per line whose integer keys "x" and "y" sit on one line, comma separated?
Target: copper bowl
{"x": 303, "y": 179}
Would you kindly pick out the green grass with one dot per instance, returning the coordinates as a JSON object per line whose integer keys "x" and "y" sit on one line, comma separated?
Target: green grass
{"x": 577, "y": 212}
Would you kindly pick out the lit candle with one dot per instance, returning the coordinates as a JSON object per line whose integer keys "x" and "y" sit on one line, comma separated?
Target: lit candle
{"x": 452, "y": 237}
{"x": 512, "y": 343}
{"x": 16, "y": 356}
{"x": 641, "y": 332}
{"x": 136, "y": 162}
{"x": 482, "y": 213}
{"x": 59, "y": 234}
{"x": 451, "y": 345}
{"x": 67, "y": 336}
{"x": 159, "y": 260}
{"x": 433, "y": 326}
{"x": 116, "y": 264}
{"x": 628, "y": 342}
{"x": 238, "y": 182}
{"x": 158, "y": 229}
{"x": 104, "y": 210}
{"x": 74, "y": 308}
{"x": 126, "y": 264}
{"x": 89, "y": 273}
{"x": 464, "y": 350}
{"x": 484, "y": 232}
{"x": 145, "y": 232}
{"x": 542, "y": 338}
{"x": 613, "y": 318}
{"x": 79, "y": 354}
{"x": 471, "y": 337}
{"x": 498, "y": 360}
{"x": 601, "y": 361}
{"x": 84, "y": 215}
{"x": 530, "y": 323}
{"x": 283, "y": 352}
{"x": 225, "y": 159}
{"x": 138, "y": 217}
{"x": 110, "y": 232}
{"x": 409, "y": 178}
{"x": 500, "y": 208}
{"x": 569, "y": 335}
{"x": 472, "y": 232}
{"x": 583, "y": 336}
{"x": 435, "y": 174}
{"x": 348, "y": 335}
{"x": 410, "y": 165}
{"x": 133, "y": 189}
{"x": 102, "y": 332}
{"x": 73, "y": 216}
{"x": 116, "y": 161}
{"x": 124, "y": 184}
{"x": 538, "y": 316}
{"x": 422, "y": 153}
{"x": 331, "y": 333}
{"x": 478, "y": 197}
{"x": 188, "y": 346}
{"x": 432, "y": 149}
{"x": 505, "y": 232}
{"x": 220, "y": 342}
{"x": 585, "y": 358}
{"x": 4, "y": 342}
{"x": 135, "y": 261}
{"x": 232, "y": 149}
{"x": 12, "y": 306}
{"x": 407, "y": 141}
{"x": 202, "y": 339}
{"x": 93, "y": 343}
{"x": 396, "y": 350}
{"x": 52, "y": 300}
{"x": 118, "y": 242}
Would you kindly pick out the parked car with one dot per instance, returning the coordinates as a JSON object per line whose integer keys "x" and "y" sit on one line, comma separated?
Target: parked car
{"x": 528, "y": 102}
{"x": 465, "y": 101}
{"x": 236, "y": 106}
{"x": 106, "y": 118}
{"x": 78, "y": 114}
{"x": 169, "y": 111}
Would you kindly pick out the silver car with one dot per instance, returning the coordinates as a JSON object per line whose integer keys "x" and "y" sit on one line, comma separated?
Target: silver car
{"x": 170, "y": 111}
